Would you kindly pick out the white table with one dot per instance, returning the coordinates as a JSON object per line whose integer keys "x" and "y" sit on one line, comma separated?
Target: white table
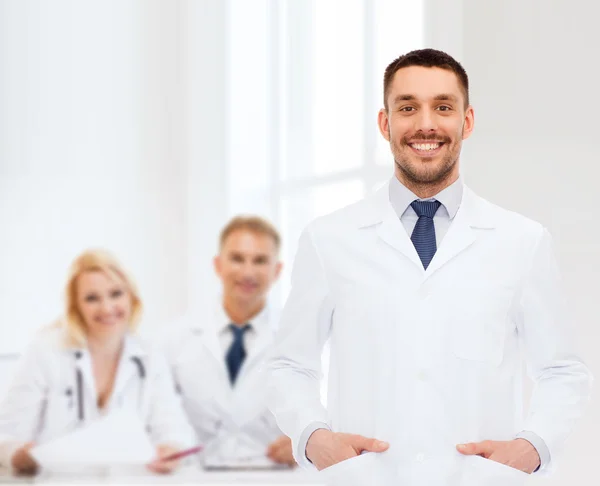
{"x": 184, "y": 476}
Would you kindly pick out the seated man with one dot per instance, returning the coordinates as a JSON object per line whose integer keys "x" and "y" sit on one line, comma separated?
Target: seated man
{"x": 218, "y": 358}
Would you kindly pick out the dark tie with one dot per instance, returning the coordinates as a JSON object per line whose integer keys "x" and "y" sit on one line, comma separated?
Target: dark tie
{"x": 236, "y": 354}
{"x": 423, "y": 236}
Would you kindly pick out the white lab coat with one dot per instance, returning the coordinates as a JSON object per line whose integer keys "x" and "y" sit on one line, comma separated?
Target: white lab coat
{"x": 427, "y": 359}
{"x": 43, "y": 403}
{"x": 234, "y": 423}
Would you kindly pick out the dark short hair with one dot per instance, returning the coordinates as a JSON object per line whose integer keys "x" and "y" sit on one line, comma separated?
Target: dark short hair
{"x": 426, "y": 58}
{"x": 254, "y": 224}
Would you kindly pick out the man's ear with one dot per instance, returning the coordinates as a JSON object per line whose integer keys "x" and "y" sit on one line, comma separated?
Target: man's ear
{"x": 383, "y": 122}
{"x": 217, "y": 265}
{"x": 278, "y": 269}
{"x": 469, "y": 124}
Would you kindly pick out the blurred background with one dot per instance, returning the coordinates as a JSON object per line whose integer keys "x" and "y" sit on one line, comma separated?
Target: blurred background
{"x": 141, "y": 126}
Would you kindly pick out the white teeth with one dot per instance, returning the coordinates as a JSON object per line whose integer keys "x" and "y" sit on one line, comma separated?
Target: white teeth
{"x": 426, "y": 146}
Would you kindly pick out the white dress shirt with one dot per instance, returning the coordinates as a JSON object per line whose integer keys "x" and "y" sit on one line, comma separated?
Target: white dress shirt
{"x": 258, "y": 325}
{"x": 401, "y": 197}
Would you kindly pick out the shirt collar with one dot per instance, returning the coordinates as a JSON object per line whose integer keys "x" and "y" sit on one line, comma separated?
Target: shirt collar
{"x": 258, "y": 323}
{"x": 401, "y": 197}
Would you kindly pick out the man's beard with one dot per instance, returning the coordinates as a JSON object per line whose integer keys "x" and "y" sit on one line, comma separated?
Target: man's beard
{"x": 421, "y": 173}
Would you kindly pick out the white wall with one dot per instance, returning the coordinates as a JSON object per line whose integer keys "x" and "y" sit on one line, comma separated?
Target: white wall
{"x": 204, "y": 85}
{"x": 534, "y": 83}
{"x": 111, "y": 135}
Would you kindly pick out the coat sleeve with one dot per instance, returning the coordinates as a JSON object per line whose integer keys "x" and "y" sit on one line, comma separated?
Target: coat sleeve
{"x": 22, "y": 405}
{"x": 167, "y": 420}
{"x": 295, "y": 363}
{"x": 562, "y": 382}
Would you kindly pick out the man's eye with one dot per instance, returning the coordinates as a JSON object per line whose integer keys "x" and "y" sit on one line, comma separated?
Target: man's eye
{"x": 444, "y": 108}
{"x": 407, "y": 108}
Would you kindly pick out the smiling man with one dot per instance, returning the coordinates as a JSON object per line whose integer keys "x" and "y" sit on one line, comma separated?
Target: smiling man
{"x": 218, "y": 359}
{"x": 431, "y": 297}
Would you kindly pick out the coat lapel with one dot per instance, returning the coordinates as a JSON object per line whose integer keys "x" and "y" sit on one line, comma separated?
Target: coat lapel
{"x": 208, "y": 331}
{"x": 474, "y": 213}
{"x": 393, "y": 233}
{"x": 206, "y": 348}
{"x": 377, "y": 210}
{"x": 263, "y": 340}
{"x": 83, "y": 367}
{"x": 128, "y": 369}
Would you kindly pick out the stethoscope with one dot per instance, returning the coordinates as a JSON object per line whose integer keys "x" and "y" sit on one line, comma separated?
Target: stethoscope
{"x": 79, "y": 383}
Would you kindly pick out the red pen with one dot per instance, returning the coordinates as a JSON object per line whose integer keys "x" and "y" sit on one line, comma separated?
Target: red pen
{"x": 181, "y": 454}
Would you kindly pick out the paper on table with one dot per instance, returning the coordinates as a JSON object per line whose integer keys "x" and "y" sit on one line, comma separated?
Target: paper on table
{"x": 240, "y": 463}
{"x": 119, "y": 438}
{"x": 236, "y": 452}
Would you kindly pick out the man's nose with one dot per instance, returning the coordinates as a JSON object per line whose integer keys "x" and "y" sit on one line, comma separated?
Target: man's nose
{"x": 425, "y": 122}
{"x": 248, "y": 269}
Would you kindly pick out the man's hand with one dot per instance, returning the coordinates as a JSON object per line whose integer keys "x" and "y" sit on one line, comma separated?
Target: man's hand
{"x": 280, "y": 451}
{"x": 518, "y": 453}
{"x": 326, "y": 448}
{"x": 22, "y": 461}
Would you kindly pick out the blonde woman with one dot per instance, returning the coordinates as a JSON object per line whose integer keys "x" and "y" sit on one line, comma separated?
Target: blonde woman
{"x": 87, "y": 365}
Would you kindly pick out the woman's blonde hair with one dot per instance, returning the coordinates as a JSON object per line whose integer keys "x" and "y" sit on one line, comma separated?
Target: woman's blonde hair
{"x": 95, "y": 261}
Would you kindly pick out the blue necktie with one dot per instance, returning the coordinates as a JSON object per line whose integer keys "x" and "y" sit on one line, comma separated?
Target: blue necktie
{"x": 423, "y": 236}
{"x": 236, "y": 354}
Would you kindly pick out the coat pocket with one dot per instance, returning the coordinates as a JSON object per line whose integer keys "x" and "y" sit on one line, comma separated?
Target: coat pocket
{"x": 364, "y": 470}
{"x": 59, "y": 415}
{"x": 479, "y": 322}
{"x": 479, "y": 471}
